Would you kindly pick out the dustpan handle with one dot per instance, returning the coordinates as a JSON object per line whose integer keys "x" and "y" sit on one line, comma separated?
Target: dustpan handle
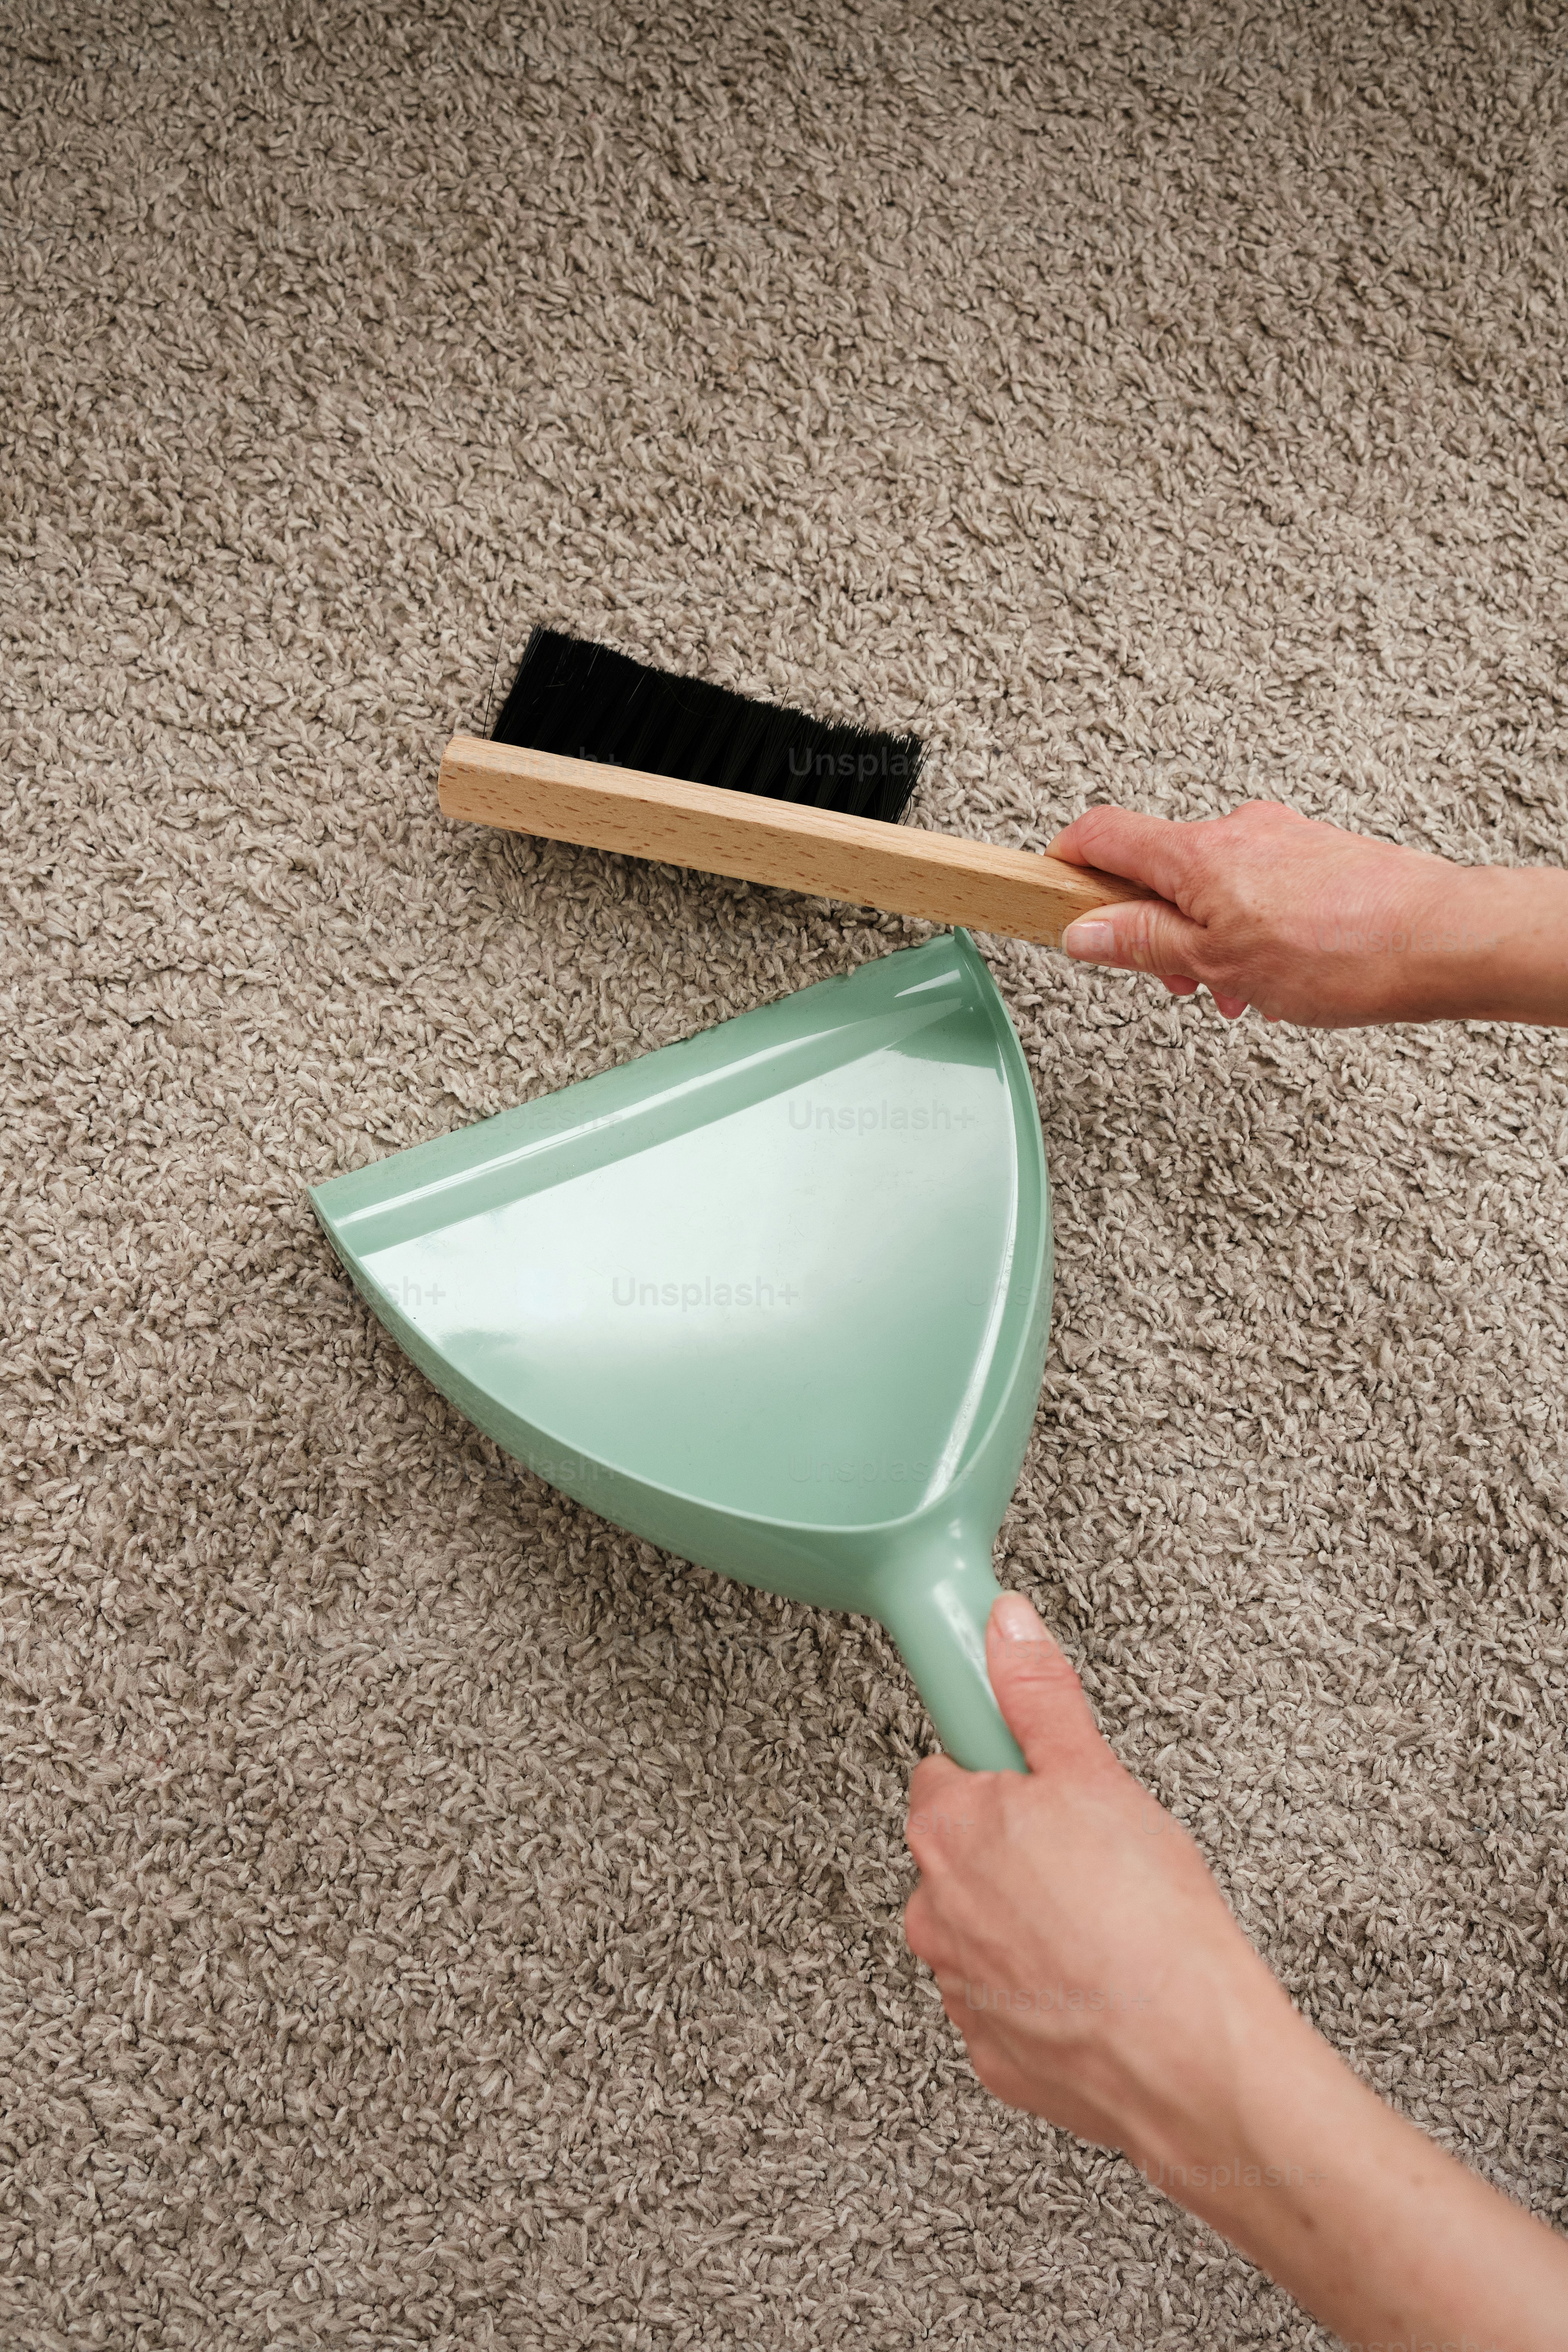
{"x": 935, "y": 1600}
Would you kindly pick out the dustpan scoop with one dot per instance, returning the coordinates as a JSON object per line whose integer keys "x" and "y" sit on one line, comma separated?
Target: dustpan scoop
{"x": 775, "y": 1299}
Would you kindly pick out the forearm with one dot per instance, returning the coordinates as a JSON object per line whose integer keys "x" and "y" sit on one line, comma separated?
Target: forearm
{"x": 1356, "y": 2213}
{"x": 1505, "y": 931}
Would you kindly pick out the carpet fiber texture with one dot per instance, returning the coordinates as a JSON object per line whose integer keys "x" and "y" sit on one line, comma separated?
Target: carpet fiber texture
{"x": 430, "y": 1919}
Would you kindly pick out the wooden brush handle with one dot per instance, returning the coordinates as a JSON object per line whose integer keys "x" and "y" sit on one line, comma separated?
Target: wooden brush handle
{"x": 944, "y": 878}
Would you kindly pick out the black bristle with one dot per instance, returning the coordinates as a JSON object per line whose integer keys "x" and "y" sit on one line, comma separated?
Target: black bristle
{"x": 587, "y": 703}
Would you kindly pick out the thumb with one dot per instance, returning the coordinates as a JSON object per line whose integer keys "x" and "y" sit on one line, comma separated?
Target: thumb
{"x": 1140, "y": 934}
{"x": 1040, "y": 1696}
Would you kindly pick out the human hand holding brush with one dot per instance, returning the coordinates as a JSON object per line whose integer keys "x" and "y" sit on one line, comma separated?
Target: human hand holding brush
{"x": 1307, "y": 923}
{"x": 1323, "y": 927}
{"x": 1087, "y": 1958}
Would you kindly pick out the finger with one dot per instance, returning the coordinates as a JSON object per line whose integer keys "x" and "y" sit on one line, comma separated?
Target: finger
{"x": 923, "y": 1930}
{"x": 1231, "y": 1007}
{"x": 1041, "y": 1698}
{"x": 1178, "y": 984}
{"x": 936, "y": 1803}
{"x": 1138, "y": 935}
{"x": 1148, "y": 850}
{"x": 932, "y": 1783}
{"x": 917, "y": 1922}
{"x": 1266, "y": 813}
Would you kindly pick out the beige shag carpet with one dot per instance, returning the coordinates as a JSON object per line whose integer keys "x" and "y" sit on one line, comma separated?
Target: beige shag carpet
{"x": 430, "y": 1919}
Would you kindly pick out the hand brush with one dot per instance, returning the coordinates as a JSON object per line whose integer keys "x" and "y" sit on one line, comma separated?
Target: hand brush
{"x": 594, "y": 748}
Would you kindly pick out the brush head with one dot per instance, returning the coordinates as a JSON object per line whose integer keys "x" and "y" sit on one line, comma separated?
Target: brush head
{"x": 585, "y": 702}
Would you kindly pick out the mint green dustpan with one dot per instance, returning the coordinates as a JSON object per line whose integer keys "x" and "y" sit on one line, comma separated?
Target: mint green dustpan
{"x": 775, "y": 1299}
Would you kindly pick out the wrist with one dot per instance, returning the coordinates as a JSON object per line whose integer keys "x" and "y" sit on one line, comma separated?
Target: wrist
{"x": 1205, "y": 2117}
{"x": 1356, "y": 2212}
{"x": 1279, "y": 2149}
{"x": 1482, "y": 943}
{"x": 1513, "y": 964}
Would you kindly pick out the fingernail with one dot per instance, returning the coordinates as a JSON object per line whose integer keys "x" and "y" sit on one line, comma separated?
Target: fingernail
{"x": 1015, "y": 1619}
{"x": 1092, "y": 943}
